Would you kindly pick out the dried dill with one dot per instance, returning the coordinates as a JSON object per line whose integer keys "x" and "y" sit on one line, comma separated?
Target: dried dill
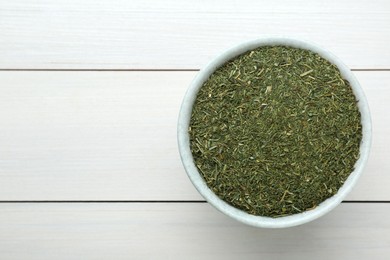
{"x": 275, "y": 131}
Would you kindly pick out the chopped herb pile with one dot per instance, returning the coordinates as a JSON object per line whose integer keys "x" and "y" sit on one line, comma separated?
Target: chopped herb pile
{"x": 275, "y": 131}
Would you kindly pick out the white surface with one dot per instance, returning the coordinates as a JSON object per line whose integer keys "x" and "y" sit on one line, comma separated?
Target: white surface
{"x": 184, "y": 231}
{"x": 240, "y": 215}
{"x": 112, "y": 136}
{"x": 81, "y": 135}
{"x": 172, "y": 34}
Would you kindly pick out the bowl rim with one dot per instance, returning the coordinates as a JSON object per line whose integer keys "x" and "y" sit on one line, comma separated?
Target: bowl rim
{"x": 240, "y": 215}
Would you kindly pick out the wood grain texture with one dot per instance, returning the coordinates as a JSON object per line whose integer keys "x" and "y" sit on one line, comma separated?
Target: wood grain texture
{"x": 120, "y": 34}
{"x": 184, "y": 231}
{"x": 112, "y": 136}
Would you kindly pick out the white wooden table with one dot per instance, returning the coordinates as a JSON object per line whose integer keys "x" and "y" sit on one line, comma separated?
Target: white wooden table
{"x": 89, "y": 98}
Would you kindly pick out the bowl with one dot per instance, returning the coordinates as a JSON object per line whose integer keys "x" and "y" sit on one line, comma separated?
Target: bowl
{"x": 240, "y": 215}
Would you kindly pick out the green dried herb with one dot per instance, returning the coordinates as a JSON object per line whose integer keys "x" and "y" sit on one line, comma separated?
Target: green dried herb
{"x": 275, "y": 131}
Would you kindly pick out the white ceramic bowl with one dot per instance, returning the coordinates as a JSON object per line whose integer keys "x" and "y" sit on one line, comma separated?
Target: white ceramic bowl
{"x": 197, "y": 179}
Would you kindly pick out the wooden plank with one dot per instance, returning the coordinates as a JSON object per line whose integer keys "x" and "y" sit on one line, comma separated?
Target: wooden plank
{"x": 112, "y": 136}
{"x": 377, "y": 88}
{"x": 71, "y": 34}
{"x": 184, "y": 231}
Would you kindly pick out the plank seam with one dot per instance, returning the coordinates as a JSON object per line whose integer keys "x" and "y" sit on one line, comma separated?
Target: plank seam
{"x": 143, "y": 70}
{"x": 150, "y": 201}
